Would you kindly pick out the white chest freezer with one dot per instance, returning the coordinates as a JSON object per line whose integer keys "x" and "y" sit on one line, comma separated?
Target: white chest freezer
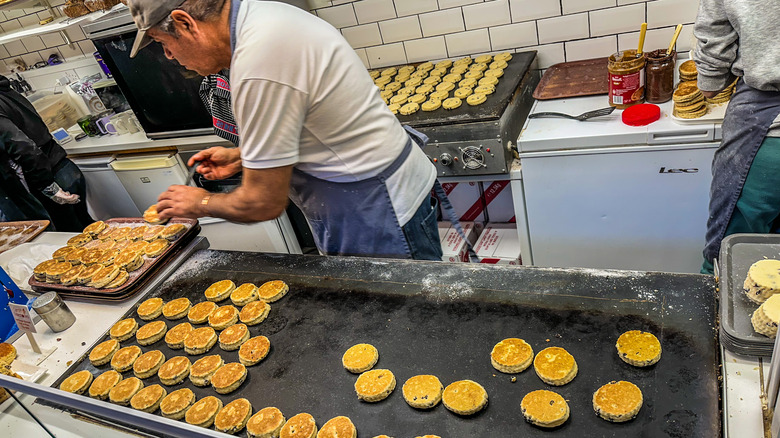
{"x": 106, "y": 195}
{"x": 145, "y": 177}
{"x": 600, "y": 194}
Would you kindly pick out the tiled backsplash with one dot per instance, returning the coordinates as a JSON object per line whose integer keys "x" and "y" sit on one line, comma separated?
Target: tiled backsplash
{"x": 390, "y": 32}
{"x": 39, "y": 47}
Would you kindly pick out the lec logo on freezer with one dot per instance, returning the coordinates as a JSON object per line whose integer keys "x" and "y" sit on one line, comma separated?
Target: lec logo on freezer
{"x": 688, "y": 170}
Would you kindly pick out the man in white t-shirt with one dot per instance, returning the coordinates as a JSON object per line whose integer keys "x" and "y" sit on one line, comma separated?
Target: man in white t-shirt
{"x": 312, "y": 125}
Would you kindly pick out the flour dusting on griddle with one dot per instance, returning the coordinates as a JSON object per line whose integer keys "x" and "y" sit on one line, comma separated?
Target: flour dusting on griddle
{"x": 199, "y": 262}
{"x": 445, "y": 285}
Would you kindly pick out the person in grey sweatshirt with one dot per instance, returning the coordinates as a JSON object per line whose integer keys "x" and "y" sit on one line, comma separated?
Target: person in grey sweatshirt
{"x": 736, "y": 41}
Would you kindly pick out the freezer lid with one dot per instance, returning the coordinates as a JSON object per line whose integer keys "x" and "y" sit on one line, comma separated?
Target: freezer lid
{"x": 94, "y": 163}
{"x": 145, "y": 162}
{"x": 551, "y": 134}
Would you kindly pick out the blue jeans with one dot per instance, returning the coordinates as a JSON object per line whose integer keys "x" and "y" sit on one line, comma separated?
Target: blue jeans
{"x": 422, "y": 232}
{"x": 758, "y": 206}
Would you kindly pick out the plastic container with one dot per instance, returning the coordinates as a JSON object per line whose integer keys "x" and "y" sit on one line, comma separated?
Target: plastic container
{"x": 659, "y": 72}
{"x": 626, "y": 79}
{"x": 56, "y": 111}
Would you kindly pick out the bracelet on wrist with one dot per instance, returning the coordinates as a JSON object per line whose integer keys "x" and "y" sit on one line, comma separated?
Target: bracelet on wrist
{"x": 204, "y": 203}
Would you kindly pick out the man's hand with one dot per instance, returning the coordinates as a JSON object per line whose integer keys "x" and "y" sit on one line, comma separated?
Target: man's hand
{"x": 181, "y": 201}
{"x": 710, "y": 94}
{"x": 217, "y": 162}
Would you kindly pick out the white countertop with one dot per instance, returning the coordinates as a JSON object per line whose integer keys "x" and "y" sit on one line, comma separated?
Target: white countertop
{"x": 92, "y": 321}
{"x": 126, "y": 142}
{"x": 545, "y": 134}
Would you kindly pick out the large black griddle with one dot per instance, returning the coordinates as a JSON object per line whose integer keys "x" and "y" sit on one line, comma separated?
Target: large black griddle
{"x": 443, "y": 319}
{"x": 491, "y": 109}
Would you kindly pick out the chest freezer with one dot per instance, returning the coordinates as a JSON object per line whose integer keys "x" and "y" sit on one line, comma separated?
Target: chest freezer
{"x": 146, "y": 176}
{"x": 633, "y": 207}
{"x": 106, "y": 195}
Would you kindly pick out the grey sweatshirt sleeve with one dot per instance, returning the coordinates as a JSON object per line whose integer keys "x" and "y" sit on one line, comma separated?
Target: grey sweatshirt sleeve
{"x": 717, "y": 46}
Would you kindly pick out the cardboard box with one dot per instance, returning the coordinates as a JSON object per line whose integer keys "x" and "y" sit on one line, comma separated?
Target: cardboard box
{"x": 465, "y": 200}
{"x": 468, "y": 205}
{"x": 453, "y": 246}
{"x": 500, "y": 204}
{"x": 499, "y": 244}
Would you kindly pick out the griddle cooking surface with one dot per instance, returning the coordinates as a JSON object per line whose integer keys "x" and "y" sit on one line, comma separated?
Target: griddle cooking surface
{"x": 491, "y": 109}
{"x": 443, "y": 319}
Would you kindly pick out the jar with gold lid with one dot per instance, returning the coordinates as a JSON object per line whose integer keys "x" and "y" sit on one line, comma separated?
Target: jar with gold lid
{"x": 659, "y": 72}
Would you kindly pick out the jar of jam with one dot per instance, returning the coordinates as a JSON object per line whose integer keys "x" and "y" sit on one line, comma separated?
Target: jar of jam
{"x": 660, "y": 75}
{"x": 626, "y": 79}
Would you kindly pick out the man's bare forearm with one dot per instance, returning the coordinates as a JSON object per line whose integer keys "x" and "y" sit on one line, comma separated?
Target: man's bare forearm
{"x": 262, "y": 196}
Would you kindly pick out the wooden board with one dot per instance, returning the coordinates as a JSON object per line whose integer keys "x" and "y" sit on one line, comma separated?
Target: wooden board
{"x": 13, "y": 234}
{"x": 588, "y": 77}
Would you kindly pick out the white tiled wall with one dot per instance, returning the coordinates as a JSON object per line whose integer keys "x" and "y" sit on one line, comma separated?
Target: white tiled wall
{"x": 389, "y": 32}
{"x": 38, "y": 48}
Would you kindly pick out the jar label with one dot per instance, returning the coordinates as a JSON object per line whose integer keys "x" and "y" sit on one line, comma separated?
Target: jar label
{"x": 626, "y": 89}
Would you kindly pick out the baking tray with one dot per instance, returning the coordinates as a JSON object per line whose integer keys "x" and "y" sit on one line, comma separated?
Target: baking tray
{"x": 737, "y": 253}
{"x": 588, "y": 77}
{"x": 13, "y": 234}
{"x": 443, "y": 319}
{"x": 138, "y": 278}
{"x": 492, "y": 109}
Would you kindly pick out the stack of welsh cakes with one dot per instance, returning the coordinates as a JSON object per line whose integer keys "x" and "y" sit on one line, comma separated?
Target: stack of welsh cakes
{"x": 688, "y": 71}
{"x": 722, "y": 97}
{"x": 688, "y": 101}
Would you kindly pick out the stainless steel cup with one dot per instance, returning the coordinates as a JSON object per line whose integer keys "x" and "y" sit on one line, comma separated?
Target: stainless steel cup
{"x": 53, "y": 311}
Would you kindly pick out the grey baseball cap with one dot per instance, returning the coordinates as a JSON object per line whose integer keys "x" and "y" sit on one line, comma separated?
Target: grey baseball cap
{"x": 147, "y": 14}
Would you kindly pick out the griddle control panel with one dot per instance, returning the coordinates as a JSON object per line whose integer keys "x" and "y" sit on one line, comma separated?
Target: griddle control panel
{"x": 473, "y": 157}
{"x": 467, "y": 158}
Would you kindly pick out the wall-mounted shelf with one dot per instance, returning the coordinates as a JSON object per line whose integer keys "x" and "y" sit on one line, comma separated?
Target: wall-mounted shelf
{"x": 59, "y": 24}
{"x": 20, "y": 4}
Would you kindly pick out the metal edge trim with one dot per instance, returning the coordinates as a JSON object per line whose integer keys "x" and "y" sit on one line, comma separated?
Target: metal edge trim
{"x": 143, "y": 420}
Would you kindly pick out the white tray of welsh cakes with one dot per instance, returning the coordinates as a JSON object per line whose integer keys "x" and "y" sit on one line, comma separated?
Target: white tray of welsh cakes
{"x": 112, "y": 259}
{"x": 738, "y": 253}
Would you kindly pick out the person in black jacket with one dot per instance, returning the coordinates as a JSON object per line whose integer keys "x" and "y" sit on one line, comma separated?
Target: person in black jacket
{"x": 52, "y": 179}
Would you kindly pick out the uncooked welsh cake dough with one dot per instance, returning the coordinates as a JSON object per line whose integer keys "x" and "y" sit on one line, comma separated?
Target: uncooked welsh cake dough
{"x": 767, "y": 316}
{"x": 763, "y": 280}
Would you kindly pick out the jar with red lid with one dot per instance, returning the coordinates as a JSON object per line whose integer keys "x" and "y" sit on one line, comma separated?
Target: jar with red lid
{"x": 659, "y": 73}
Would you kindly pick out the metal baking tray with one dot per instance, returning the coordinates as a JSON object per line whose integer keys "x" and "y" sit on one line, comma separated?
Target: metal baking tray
{"x": 138, "y": 278}
{"x": 443, "y": 319}
{"x": 587, "y": 77}
{"x": 737, "y": 253}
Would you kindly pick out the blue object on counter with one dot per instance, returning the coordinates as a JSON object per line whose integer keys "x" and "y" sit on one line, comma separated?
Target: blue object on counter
{"x": 103, "y": 65}
{"x": 10, "y": 294}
